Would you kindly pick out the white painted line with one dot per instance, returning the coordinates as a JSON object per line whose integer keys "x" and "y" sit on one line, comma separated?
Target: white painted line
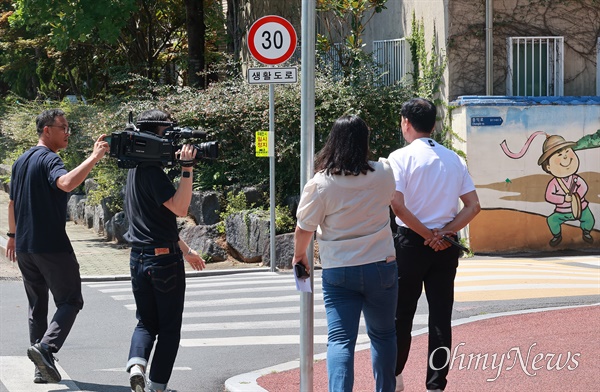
{"x": 248, "y": 312}
{"x": 527, "y": 277}
{"x": 122, "y": 369}
{"x": 570, "y": 271}
{"x": 270, "y": 324}
{"x": 196, "y": 293}
{"x": 17, "y": 376}
{"x": 257, "y": 341}
{"x": 527, "y": 286}
{"x": 239, "y": 301}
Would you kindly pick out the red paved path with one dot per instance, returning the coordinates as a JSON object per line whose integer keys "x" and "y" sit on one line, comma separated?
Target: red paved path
{"x": 572, "y": 335}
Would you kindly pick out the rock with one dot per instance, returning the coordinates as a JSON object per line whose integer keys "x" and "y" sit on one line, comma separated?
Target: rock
{"x": 206, "y": 240}
{"x": 205, "y": 208}
{"x": 72, "y": 206}
{"x": 116, "y": 228}
{"x": 284, "y": 251}
{"x": 246, "y": 232}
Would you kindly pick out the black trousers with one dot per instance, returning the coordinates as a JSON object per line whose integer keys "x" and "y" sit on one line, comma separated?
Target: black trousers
{"x": 418, "y": 266}
{"x": 59, "y": 274}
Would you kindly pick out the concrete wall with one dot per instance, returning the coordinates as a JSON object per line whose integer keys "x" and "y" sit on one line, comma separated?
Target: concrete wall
{"x": 504, "y": 140}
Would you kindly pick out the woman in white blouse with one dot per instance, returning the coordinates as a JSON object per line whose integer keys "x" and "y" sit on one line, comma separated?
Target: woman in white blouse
{"x": 347, "y": 204}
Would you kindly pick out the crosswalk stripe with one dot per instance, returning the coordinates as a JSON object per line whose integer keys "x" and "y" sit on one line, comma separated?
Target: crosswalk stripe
{"x": 239, "y": 301}
{"x": 196, "y": 293}
{"x": 259, "y": 340}
{"x": 234, "y": 310}
{"x": 491, "y": 278}
{"x": 17, "y": 376}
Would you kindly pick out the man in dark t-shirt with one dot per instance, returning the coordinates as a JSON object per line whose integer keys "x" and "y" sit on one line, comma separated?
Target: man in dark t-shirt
{"x": 152, "y": 205}
{"x": 37, "y": 239}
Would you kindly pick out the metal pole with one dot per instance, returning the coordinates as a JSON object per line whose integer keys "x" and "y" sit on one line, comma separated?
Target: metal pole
{"x": 489, "y": 47}
{"x": 307, "y": 142}
{"x": 272, "y": 173}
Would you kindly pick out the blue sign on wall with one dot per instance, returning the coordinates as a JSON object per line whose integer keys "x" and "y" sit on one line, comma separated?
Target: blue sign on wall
{"x": 486, "y": 121}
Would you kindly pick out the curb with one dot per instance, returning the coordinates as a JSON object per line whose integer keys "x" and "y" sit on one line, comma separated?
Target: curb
{"x": 193, "y": 274}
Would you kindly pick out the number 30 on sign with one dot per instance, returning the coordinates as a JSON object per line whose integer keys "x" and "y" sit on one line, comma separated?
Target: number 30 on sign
{"x": 272, "y": 40}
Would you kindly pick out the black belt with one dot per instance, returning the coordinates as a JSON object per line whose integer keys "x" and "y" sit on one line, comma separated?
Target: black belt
{"x": 405, "y": 231}
{"x": 157, "y": 250}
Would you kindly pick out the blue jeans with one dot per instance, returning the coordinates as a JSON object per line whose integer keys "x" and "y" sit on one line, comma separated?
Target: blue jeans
{"x": 158, "y": 284}
{"x": 370, "y": 288}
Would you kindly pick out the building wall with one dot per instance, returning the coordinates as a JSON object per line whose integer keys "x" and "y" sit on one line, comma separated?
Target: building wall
{"x": 505, "y": 139}
{"x": 578, "y": 21}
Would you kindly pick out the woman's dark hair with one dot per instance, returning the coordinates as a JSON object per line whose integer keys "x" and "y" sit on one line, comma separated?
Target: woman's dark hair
{"x": 150, "y": 120}
{"x": 420, "y": 112}
{"x": 346, "y": 150}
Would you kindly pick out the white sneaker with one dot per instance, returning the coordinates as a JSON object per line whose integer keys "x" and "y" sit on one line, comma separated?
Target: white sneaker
{"x": 137, "y": 380}
{"x": 399, "y": 383}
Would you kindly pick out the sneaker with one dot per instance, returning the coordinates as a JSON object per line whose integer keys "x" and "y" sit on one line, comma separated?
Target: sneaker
{"x": 44, "y": 360}
{"x": 399, "y": 383}
{"x": 587, "y": 237}
{"x": 37, "y": 377}
{"x": 137, "y": 380}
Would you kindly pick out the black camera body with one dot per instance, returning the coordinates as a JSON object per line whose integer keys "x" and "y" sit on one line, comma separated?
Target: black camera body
{"x": 133, "y": 147}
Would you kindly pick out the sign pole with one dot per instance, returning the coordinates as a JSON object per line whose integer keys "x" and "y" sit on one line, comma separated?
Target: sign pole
{"x": 272, "y": 174}
{"x": 307, "y": 142}
{"x": 272, "y": 40}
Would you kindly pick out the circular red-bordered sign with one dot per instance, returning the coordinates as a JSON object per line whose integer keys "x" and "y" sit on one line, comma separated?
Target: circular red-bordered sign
{"x": 272, "y": 40}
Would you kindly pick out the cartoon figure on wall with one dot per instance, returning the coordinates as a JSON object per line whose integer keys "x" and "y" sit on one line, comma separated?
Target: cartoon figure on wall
{"x": 566, "y": 190}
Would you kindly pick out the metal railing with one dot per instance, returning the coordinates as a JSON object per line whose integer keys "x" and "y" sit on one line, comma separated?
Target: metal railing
{"x": 535, "y": 66}
{"x": 393, "y": 59}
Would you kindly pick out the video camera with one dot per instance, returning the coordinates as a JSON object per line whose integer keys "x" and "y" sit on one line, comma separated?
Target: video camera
{"x": 132, "y": 146}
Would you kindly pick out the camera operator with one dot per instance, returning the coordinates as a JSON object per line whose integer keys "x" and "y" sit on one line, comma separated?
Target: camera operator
{"x": 157, "y": 269}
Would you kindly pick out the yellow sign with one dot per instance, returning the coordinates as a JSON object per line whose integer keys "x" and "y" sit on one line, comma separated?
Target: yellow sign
{"x": 262, "y": 143}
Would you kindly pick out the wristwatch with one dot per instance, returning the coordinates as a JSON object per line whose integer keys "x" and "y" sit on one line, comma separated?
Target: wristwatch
{"x": 186, "y": 174}
{"x": 10, "y": 235}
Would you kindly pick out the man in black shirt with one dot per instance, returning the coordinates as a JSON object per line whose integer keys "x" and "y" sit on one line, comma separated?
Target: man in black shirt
{"x": 152, "y": 205}
{"x": 37, "y": 239}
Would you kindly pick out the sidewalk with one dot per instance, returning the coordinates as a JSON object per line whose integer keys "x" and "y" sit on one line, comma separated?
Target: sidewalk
{"x": 100, "y": 259}
{"x": 547, "y": 350}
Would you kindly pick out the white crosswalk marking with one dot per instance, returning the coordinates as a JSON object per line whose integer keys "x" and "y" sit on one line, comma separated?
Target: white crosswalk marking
{"x": 242, "y": 310}
{"x": 503, "y": 279}
{"x": 263, "y": 308}
{"x": 16, "y": 375}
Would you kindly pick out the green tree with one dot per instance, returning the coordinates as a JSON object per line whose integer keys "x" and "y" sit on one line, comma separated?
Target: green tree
{"x": 345, "y": 21}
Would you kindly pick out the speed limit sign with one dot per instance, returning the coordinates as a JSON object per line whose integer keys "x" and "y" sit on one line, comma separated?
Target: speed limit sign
{"x": 272, "y": 40}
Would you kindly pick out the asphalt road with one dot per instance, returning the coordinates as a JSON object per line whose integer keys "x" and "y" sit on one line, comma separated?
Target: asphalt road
{"x": 238, "y": 323}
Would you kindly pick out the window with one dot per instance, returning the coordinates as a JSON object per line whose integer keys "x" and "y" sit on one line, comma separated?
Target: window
{"x": 535, "y": 66}
{"x": 393, "y": 59}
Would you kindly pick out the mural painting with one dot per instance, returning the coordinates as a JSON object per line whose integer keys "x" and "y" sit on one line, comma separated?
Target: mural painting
{"x": 566, "y": 190}
{"x": 537, "y": 172}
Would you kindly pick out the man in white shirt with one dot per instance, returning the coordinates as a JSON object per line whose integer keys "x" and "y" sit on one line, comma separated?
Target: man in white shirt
{"x": 430, "y": 180}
